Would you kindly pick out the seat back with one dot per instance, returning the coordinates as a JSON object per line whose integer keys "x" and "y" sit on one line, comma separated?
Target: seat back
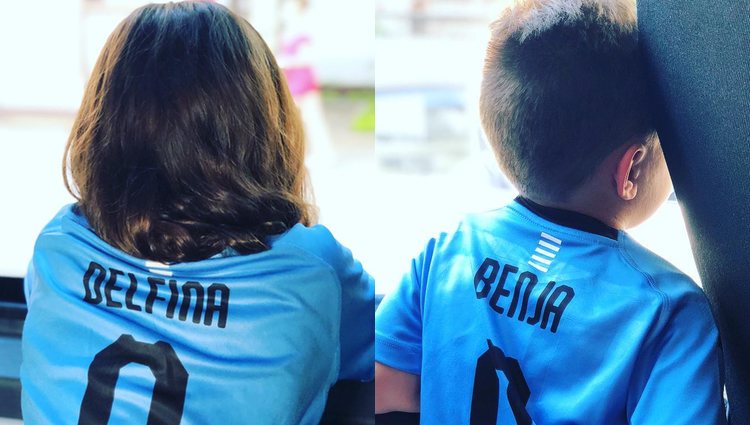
{"x": 697, "y": 54}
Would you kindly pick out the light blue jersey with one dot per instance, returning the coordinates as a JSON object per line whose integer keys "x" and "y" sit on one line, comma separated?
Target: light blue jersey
{"x": 514, "y": 319}
{"x": 229, "y": 340}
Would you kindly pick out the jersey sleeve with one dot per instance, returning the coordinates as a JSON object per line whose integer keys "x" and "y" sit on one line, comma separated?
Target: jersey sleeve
{"x": 28, "y": 281}
{"x": 357, "y": 319}
{"x": 678, "y": 379}
{"x": 356, "y": 329}
{"x": 50, "y": 228}
{"x": 398, "y": 320}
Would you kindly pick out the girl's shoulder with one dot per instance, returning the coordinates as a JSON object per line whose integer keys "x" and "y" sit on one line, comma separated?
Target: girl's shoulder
{"x": 316, "y": 240}
{"x": 67, "y": 212}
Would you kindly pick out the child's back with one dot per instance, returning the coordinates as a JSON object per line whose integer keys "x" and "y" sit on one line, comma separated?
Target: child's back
{"x": 559, "y": 320}
{"x": 233, "y": 339}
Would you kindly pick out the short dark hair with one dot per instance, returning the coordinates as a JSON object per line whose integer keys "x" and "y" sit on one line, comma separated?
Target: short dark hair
{"x": 187, "y": 141}
{"x": 563, "y": 87}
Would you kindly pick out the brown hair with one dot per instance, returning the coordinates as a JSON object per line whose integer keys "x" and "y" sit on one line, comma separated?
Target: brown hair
{"x": 187, "y": 141}
{"x": 563, "y": 87}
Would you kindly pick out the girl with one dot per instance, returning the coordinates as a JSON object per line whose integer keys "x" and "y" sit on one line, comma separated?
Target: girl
{"x": 188, "y": 283}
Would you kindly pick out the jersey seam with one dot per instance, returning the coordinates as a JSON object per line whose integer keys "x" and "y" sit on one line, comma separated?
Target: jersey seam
{"x": 628, "y": 258}
{"x": 394, "y": 359}
{"x": 332, "y": 270}
{"x": 397, "y": 344}
{"x": 307, "y": 253}
{"x": 649, "y": 279}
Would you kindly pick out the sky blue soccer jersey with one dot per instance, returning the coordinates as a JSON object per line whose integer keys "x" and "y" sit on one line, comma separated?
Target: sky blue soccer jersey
{"x": 516, "y": 319}
{"x": 228, "y": 340}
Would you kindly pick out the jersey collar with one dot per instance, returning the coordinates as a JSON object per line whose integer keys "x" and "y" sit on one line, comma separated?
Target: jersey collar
{"x": 569, "y": 218}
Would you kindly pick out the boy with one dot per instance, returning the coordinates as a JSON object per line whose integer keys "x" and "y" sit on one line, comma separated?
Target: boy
{"x": 546, "y": 311}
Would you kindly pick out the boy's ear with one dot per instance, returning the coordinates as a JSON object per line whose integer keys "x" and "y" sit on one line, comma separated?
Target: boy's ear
{"x": 627, "y": 172}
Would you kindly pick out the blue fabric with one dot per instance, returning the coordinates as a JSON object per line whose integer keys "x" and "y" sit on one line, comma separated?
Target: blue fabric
{"x": 511, "y": 311}
{"x": 299, "y": 317}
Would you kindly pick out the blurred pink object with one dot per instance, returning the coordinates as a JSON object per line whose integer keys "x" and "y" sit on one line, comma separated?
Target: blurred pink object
{"x": 300, "y": 78}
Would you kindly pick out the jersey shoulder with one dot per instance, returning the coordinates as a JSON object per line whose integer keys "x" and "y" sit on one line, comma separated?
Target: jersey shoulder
{"x": 469, "y": 240}
{"x": 514, "y": 226}
{"x": 664, "y": 278}
{"x": 494, "y": 221}
{"x": 70, "y": 233}
{"x": 66, "y": 229}
{"x": 55, "y": 225}
{"x": 509, "y": 225}
{"x": 316, "y": 242}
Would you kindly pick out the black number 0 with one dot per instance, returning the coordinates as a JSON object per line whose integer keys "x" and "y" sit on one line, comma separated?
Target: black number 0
{"x": 170, "y": 384}
{"x": 485, "y": 400}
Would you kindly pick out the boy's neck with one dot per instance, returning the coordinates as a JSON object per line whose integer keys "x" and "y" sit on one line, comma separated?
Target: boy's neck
{"x": 588, "y": 202}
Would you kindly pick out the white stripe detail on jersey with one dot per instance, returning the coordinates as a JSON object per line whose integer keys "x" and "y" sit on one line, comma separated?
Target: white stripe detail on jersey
{"x": 551, "y": 238}
{"x": 156, "y": 267}
{"x": 541, "y": 260}
{"x": 538, "y": 267}
{"x": 545, "y": 253}
{"x": 549, "y": 246}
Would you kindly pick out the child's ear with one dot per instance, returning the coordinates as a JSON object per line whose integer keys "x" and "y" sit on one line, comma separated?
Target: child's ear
{"x": 627, "y": 172}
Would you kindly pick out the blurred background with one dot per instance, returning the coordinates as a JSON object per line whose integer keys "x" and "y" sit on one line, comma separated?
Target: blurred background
{"x": 433, "y": 163}
{"x": 48, "y": 48}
